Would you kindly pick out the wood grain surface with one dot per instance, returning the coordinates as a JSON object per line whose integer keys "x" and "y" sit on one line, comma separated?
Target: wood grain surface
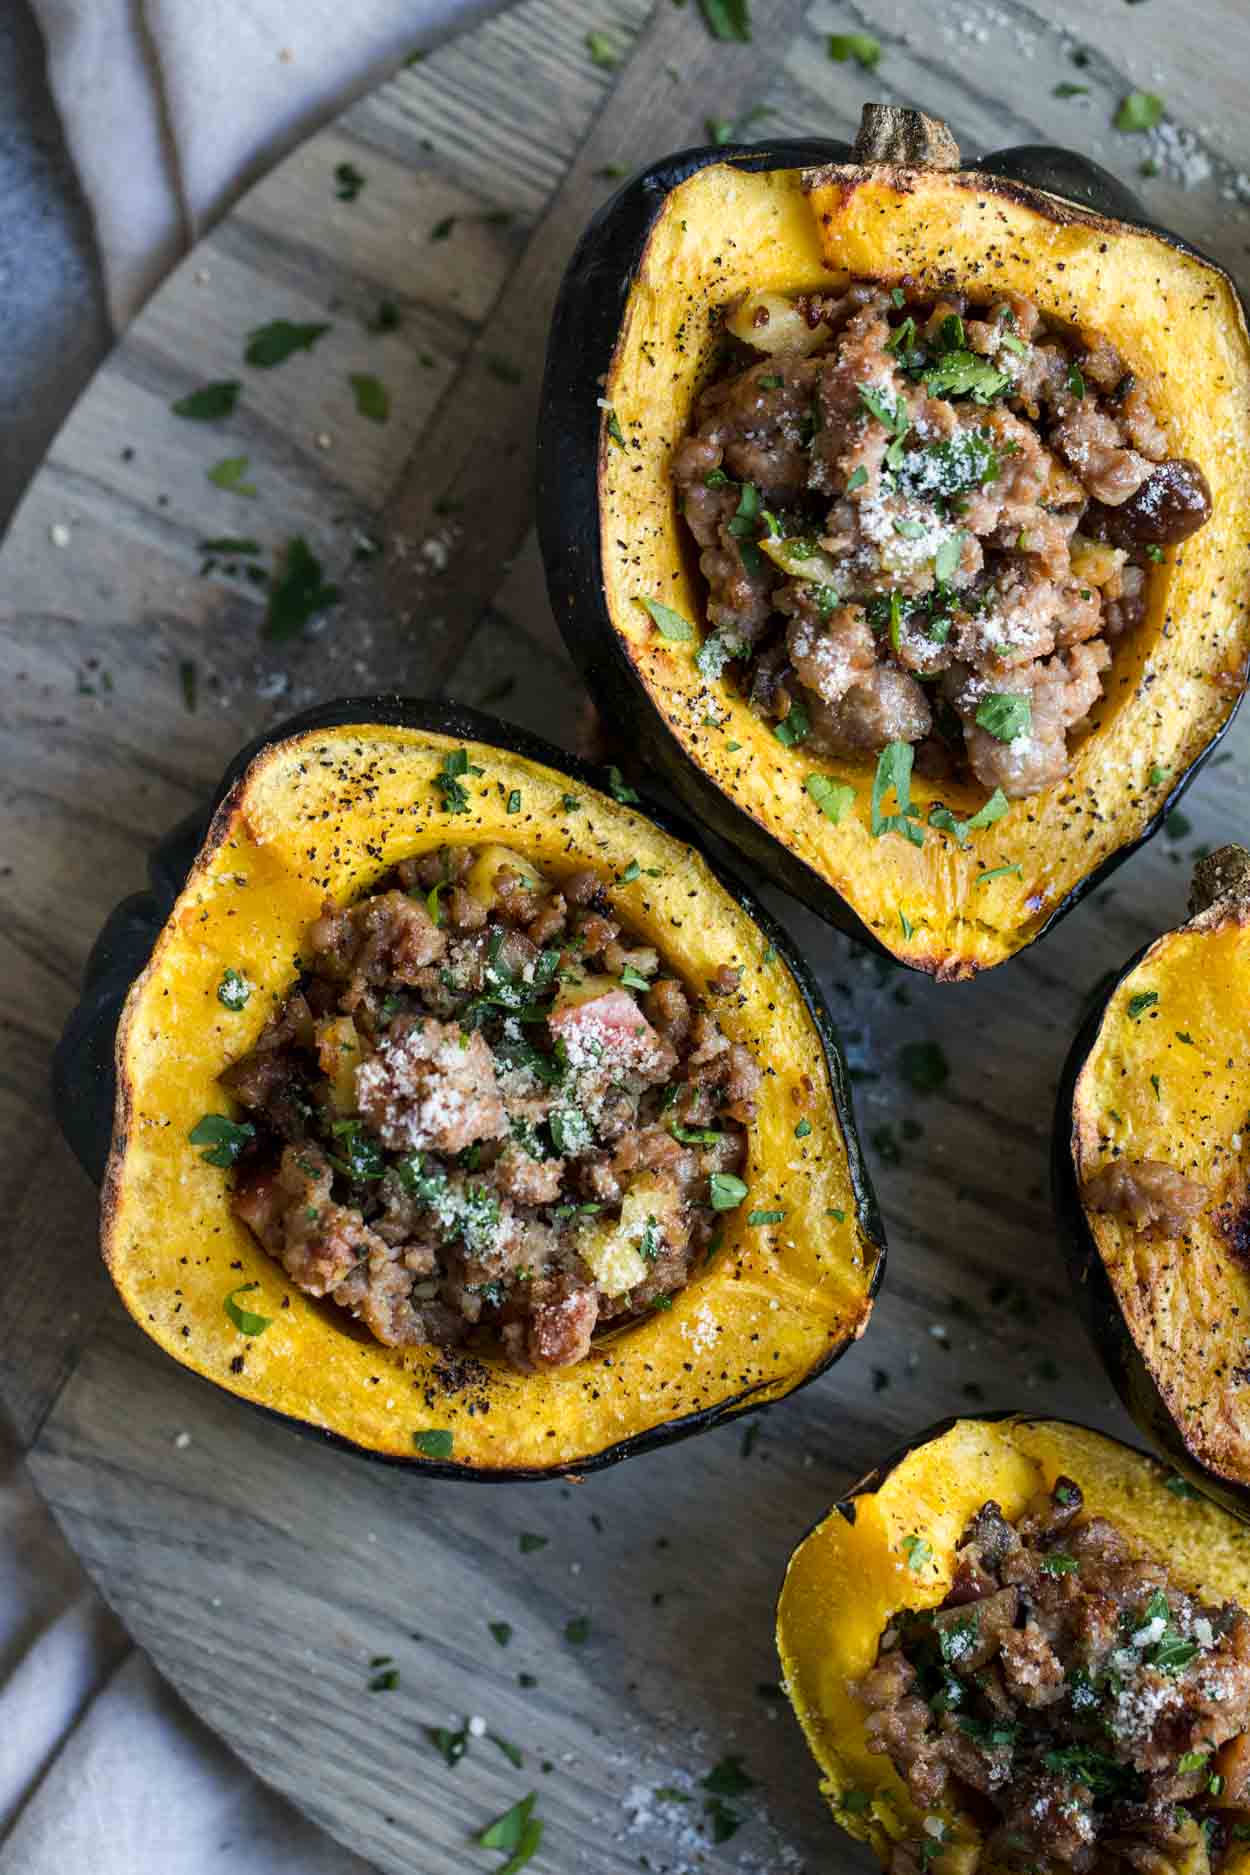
{"x": 262, "y": 1571}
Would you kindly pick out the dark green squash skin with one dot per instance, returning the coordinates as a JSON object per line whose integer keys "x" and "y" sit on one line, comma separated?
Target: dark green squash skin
{"x": 84, "y": 1083}
{"x": 586, "y": 323}
{"x": 1092, "y": 1291}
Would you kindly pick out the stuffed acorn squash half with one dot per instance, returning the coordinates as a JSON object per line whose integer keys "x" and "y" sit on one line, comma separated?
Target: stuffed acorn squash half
{"x": 1150, "y": 1178}
{"x": 465, "y": 1114}
{"x": 895, "y": 511}
{"x": 1018, "y": 1647}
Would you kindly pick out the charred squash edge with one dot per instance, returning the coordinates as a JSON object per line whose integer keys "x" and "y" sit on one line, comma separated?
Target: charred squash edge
{"x": 587, "y": 322}
{"x": 828, "y": 1745}
{"x": 84, "y": 1075}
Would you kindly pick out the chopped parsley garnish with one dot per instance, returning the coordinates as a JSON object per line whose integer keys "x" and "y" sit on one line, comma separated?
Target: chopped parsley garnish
{"x": 501, "y": 1631}
{"x": 668, "y": 1793}
{"x": 503, "y": 369}
{"x": 448, "y": 781}
{"x": 918, "y": 1551}
{"x": 230, "y": 474}
{"x": 894, "y": 417}
{"x": 511, "y": 1752}
{"x": 614, "y": 428}
{"x": 924, "y": 1066}
{"x": 1154, "y": 552}
{"x": 992, "y": 810}
{"x": 965, "y": 374}
{"x": 1076, "y": 382}
{"x": 719, "y": 130}
{"x": 1141, "y": 1002}
{"x": 726, "y": 1191}
{"x": 529, "y": 1541}
{"x": 946, "y": 560}
{"x": 1177, "y": 825}
{"x": 862, "y": 47}
{"x": 1081, "y": 1764}
{"x": 793, "y": 728}
{"x": 833, "y": 797}
{"x": 298, "y": 594}
{"x": 1158, "y": 775}
{"x": 765, "y": 1217}
{"x": 1181, "y": 1487}
{"x": 958, "y": 1638}
{"x": 1056, "y": 1563}
{"x": 570, "y": 802}
{"x": 188, "y": 680}
{"x": 436, "y": 1442}
{"x": 273, "y": 344}
{"x": 725, "y": 1822}
{"x": 856, "y": 479}
{"x": 209, "y": 402}
{"x": 1192, "y": 1761}
{"x": 618, "y": 789}
{"x": 1139, "y": 110}
{"x": 571, "y": 1132}
{"x": 514, "y": 801}
{"x": 361, "y": 1159}
{"x": 1000, "y": 872}
{"x": 245, "y": 1320}
{"x": 894, "y": 774}
{"x": 1066, "y": 89}
{"x": 668, "y": 623}
{"x": 234, "y": 990}
{"x": 373, "y": 400}
{"x": 855, "y": 1802}
{"x": 222, "y": 1138}
{"x": 802, "y": 1130}
{"x": 717, "y": 650}
{"x": 577, "y": 1631}
{"x": 1006, "y": 715}
{"x": 386, "y": 1681}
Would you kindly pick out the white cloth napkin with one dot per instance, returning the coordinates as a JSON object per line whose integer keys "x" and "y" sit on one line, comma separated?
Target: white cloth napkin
{"x": 171, "y": 107}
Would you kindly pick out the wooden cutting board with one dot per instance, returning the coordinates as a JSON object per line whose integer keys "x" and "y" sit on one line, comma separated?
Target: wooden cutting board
{"x": 261, "y": 1572}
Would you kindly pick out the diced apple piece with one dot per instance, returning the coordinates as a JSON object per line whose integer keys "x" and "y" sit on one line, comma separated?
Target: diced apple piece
{"x": 783, "y": 328}
{"x": 613, "y": 1251}
{"x": 577, "y": 990}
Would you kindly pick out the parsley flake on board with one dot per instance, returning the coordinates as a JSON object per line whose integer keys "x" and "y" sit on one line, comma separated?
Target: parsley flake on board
{"x": 234, "y": 990}
{"x": 435, "y": 1442}
{"x": 727, "y": 19}
{"x": 274, "y": 343}
{"x": 518, "y": 1833}
{"x": 601, "y": 50}
{"x": 230, "y": 473}
{"x": 577, "y": 1631}
{"x": 373, "y": 400}
{"x": 188, "y": 679}
{"x": 728, "y": 1779}
{"x": 452, "y": 1745}
{"x": 1065, "y": 89}
{"x": 348, "y": 182}
{"x": 245, "y": 1320}
{"x": 298, "y": 594}
{"x": 668, "y": 623}
{"x": 862, "y": 47}
{"x": 386, "y": 1681}
{"x": 1139, "y": 110}
{"x": 209, "y": 402}
{"x": 222, "y": 1138}
{"x": 529, "y": 1541}
{"x": 501, "y": 1630}
{"x": 1006, "y": 715}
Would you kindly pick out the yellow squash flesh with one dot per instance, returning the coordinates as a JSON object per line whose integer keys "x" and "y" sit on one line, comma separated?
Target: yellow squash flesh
{"x": 327, "y": 813}
{"x": 1169, "y": 1080}
{"x": 1177, "y": 321}
{"x": 852, "y": 1574}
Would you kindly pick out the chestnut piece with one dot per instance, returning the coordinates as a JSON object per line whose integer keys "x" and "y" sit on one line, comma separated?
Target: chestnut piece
{"x": 1170, "y": 505}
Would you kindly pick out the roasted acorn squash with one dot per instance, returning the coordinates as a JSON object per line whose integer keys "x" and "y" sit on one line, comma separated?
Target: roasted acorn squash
{"x": 631, "y": 344}
{"x": 1161, "y": 1073}
{"x": 326, "y": 805}
{"x": 856, "y": 1569}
